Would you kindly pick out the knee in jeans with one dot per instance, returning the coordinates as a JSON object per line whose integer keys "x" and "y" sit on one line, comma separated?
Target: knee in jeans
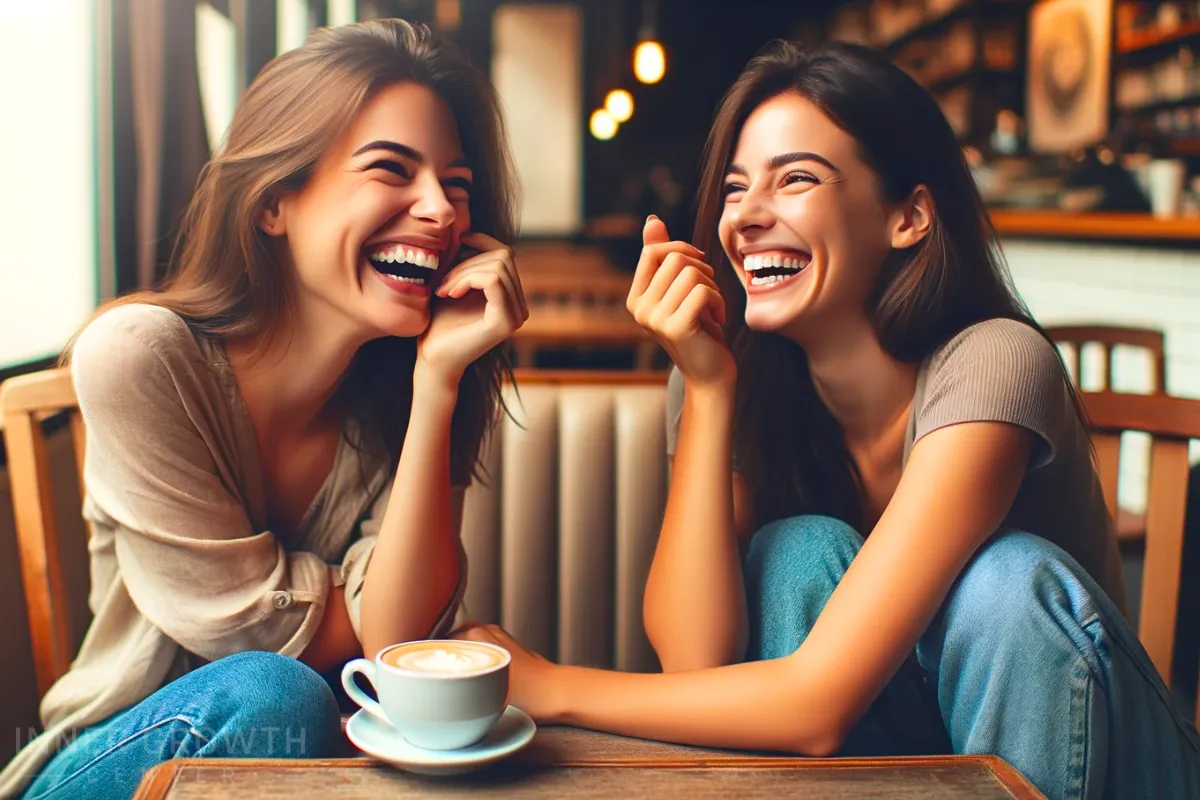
{"x": 795, "y": 542}
{"x": 1013, "y": 577}
{"x": 289, "y": 709}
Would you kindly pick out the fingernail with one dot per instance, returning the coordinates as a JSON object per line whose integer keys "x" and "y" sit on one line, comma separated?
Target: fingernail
{"x": 652, "y": 216}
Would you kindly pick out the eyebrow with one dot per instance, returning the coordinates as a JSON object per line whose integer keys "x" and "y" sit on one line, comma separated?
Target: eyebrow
{"x": 406, "y": 151}
{"x": 786, "y": 158}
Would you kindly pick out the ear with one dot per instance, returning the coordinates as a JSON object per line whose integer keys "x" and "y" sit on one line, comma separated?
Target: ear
{"x": 272, "y": 217}
{"x": 912, "y": 218}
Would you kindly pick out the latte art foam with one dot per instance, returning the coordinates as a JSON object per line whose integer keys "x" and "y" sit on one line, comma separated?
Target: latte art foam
{"x": 442, "y": 659}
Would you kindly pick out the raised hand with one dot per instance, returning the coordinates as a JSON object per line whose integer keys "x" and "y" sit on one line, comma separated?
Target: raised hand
{"x": 481, "y": 303}
{"x": 675, "y": 297}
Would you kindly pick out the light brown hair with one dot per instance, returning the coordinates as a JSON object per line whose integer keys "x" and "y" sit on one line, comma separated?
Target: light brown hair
{"x": 223, "y": 280}
{"x": 790, "y": 447}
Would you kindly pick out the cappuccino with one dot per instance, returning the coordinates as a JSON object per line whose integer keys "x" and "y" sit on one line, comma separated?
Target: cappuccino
{"x": 444, "y": 657}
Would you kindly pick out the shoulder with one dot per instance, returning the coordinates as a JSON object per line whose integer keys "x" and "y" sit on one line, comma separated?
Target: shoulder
{"x": 1001, "y": 346}
{"x": 998, "y": 370}
{"x": 132, "y": 350}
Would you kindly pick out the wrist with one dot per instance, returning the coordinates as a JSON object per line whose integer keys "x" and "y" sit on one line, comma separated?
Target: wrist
{"x": 561, "y": 683}
{"x": 719, "y": 393}
{"x": 432, "y": 384}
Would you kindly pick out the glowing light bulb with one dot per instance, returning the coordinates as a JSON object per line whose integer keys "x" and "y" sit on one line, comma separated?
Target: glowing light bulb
{"x": 649, "y": 62}
{"x": 619, "y": 104}
{"x": 602, "y": 125}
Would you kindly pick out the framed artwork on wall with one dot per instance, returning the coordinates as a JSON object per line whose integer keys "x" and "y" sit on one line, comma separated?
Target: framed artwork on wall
{"x": 1067, "y": 89}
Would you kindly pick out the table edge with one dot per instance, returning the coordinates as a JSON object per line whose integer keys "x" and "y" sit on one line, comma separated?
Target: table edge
{"x": 160, "y": 778}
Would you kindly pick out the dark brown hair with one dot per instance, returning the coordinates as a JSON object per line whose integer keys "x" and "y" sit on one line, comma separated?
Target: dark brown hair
{"x": 790, "y": 448}
{"x": 223, "y": 280}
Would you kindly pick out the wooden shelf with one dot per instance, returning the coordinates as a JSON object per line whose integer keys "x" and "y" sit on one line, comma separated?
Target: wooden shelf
{"x": 1098, "y": 225}
{"x": 1136, "y": 41}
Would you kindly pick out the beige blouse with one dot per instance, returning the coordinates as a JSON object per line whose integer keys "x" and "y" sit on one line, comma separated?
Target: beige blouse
{"x": 183, "y": 568}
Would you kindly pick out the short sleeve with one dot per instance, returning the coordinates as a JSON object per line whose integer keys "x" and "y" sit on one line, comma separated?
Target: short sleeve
{"x": 187, "y": 552}
{"x": 353, "y": 572}
{"x": 1000, "y": 370}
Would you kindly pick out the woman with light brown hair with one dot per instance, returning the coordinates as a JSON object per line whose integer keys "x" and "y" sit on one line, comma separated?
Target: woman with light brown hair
{"x": 279, "y": 438}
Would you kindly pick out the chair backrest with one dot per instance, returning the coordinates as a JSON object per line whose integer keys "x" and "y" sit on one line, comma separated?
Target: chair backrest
{"x": 1171, "y": 422}
{"x": 560, "y": 539}
{"x": 1110, "y": 337}
{"x": 26, "y": 402}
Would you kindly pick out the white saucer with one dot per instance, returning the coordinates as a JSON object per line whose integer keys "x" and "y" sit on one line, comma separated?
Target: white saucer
{"x": 376, "y": 738}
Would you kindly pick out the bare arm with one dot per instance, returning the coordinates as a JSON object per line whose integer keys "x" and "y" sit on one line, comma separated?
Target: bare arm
{"x": 956, "y": 490}
{"x": 414, "y": 569}
{"x": 695, "y": 603}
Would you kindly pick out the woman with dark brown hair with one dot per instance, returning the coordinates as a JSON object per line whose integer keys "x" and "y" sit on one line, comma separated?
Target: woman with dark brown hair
{"x": 279, "y": 438}
{"x": 884, "y": 533}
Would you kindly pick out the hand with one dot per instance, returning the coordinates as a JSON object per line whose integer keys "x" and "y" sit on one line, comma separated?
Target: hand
{"x": 481, "y": 303}
{"x": 675, "y": 297}
{"x": 532, "y": 680}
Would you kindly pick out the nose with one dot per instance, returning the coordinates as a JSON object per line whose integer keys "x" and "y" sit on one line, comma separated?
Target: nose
{"x": 752, "y": 211}
{"x": 431, "y": 204}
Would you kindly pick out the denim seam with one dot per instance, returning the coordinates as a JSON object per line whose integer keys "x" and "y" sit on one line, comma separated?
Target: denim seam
{"x": 1081, "y": 694}
{"x": 127, "y": 740}
{"x": 1154, "y": 680}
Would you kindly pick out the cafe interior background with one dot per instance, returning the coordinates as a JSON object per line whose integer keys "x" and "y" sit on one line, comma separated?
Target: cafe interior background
{"x": 1081, "y": 119}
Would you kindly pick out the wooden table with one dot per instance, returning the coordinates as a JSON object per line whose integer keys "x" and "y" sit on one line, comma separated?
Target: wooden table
{"x": 566, "y": 762}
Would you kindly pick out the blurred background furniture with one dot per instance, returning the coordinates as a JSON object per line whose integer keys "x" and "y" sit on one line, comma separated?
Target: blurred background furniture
{"x": 1171, "y": 422}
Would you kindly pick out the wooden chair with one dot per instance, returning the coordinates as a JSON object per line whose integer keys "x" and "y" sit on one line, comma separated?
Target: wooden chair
{"x": 1131, "y": 527}
{"x": 1171, "y": 422}
{"x": 26, "y": 402}
{"x": 1109, "y": 337}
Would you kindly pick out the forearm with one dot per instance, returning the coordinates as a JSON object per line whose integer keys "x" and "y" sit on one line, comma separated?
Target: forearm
{"x": 415, "y": 567}
{"x": 695, "y": 604}
{"x": 334, "y": 642}
{"x": 752, "y": 706}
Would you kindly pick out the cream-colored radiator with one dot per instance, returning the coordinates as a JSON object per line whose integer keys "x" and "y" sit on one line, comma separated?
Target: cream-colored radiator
{"x": 560, "y": 539}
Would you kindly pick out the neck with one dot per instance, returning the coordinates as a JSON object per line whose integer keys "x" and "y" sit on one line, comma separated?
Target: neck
{"x": 865, "y": 389}
{"x": 288, "y": 387}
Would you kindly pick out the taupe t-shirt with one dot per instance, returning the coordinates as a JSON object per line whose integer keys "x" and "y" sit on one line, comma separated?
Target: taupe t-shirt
{"x": 184, "y": 569}
{"x": 1002, "y": 370}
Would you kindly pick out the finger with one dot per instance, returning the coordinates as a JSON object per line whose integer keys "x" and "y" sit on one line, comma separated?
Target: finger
{"x": 487, "y": 273}
{"x": 673, "y": 265}
{"x": 651, "y": 260}
{"x": 688, "y": 278}
{"x": 481, "y": 241}
{"x": 698, "y": 299}
{"x": 453, "y": 285}
{"x": 654, "y": 231}
{"x": 495, "y": 293}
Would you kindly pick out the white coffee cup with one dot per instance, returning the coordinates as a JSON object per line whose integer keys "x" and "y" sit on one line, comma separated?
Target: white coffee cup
{"x": 438, "y": 694}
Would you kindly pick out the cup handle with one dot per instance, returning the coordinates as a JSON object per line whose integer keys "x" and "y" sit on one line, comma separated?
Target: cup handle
{"x": 361, "y": 666}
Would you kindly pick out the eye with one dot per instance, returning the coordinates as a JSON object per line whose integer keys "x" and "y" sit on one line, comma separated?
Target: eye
{"x": 732, "y": 188}
{"x": 394, "y": 167}
{"x": 799, "y": 177}
{"x": 458, "y": 188}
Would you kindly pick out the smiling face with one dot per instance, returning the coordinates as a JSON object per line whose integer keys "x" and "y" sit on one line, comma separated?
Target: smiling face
{"x": 377, "y": 225}
{"x": 803, "y": 224}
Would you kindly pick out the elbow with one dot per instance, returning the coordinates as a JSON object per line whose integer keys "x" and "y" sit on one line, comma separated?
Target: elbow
{"x": 822, "y": 744}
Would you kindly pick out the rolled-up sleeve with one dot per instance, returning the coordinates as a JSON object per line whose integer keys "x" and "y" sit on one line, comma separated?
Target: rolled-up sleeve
{"x": 353, "y": 572}
{"x": 186, "y": 549}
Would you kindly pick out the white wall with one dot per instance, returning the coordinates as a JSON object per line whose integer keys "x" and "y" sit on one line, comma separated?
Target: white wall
{"x": 48, "y": 175}
{"x": 537, "y": 69}
{"x": 1067, "y": 282}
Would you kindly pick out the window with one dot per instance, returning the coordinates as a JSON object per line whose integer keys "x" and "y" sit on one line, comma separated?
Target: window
{"x": 537, "y": 70}
{"x": 48, "y": 230}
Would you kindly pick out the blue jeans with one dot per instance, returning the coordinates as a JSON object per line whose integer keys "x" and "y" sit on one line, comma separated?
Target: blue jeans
{"x": 1027, "y": 659}
{"x": 248, "y": 705}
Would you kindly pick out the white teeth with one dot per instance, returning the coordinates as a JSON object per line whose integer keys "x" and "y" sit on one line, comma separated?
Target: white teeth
{"x": 400, "y": 255}
{"x": 754, "y": 263}
{"x": 767, "y": 280}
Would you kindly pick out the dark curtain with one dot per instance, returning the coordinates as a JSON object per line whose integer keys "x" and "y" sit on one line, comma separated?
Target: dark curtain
{"x": 166, "y": 122}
